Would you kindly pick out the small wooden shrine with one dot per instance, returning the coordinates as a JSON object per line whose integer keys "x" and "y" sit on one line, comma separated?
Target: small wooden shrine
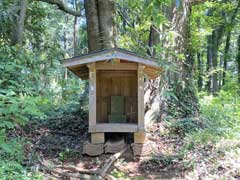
{"x": 116, "y": 90}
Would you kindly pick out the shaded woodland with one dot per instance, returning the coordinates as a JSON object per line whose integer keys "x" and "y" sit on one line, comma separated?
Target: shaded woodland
{"x": 192, "y": 108}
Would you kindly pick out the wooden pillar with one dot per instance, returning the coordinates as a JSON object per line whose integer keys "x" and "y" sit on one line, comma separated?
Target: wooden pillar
{"x": 92, "y": 97}
{"x": 141, "y": 98}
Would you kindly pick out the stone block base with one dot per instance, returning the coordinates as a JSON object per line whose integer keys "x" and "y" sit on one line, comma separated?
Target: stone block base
{"x": 93, "y": 149}
{"x": 146, "y": 149}
{"x": 114, "y": 146}
{"x": 140, "y": 137}
{"x": 97, "y": 138}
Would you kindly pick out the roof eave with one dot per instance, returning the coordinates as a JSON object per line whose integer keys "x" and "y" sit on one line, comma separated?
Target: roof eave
{"x": 107, "y": 55}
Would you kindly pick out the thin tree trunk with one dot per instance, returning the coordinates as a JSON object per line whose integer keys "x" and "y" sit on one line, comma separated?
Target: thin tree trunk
{"x": 238, "y": 59}
{"x": 152, "y": 41}
{"x": 215, "y": 62}
{"x": 220, "y": 74}
{"x": 212, "y": 58}
{"x": 200, "y": 71}
{"x": 65, "y": 73}
{"x": 227, "y": 45}
{"x": 151, "y": 90}
{"x": 209, "y": 63}
{"x": 226, "y": 56}
{"x": 75, "y": 31}
{"x": 18, "y": 27}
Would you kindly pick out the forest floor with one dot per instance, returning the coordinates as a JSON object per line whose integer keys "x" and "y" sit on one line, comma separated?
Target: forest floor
{"x": 59, "y": 142}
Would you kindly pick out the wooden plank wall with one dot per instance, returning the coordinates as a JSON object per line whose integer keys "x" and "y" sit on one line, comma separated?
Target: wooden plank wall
{"x": 116, "y": 83}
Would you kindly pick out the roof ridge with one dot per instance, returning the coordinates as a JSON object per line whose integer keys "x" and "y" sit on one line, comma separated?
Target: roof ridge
{"x": 109, "y": 50}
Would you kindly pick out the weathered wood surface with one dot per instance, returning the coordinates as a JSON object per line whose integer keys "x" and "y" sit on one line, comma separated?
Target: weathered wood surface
{"x": 108, "y": 55}
{"x": 92, "y": 95}
{"x": 113, "y": 59}
{"x": 116, "y": 83}
{"x": 146, "y": 149}
{"x": 115, "y": 127}
{"x": 139, "y": 137}
{"x": 140, "y": 117}
{"x": 97, "y": 138}
{"x": 114, "y": 145}
{"x": 115, "y": 66}
{"x": 81, "y": 71}
{"x": 93, "y": 149}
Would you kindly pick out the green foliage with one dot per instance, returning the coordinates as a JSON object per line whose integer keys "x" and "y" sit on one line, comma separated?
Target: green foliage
{"x": 32, "y": 83}
{"x": 181, "y": 100}
{"x": 18, "y": 104}
{"x": 138, "y": 17}
{"x": 206, "y": 17}
{"x": 222, "y": 114}
{"x": 11, "y": 170}
{"x": 185, "y": 126}
{"x": 11, "y": 157}
{"x": 17, "y": 100}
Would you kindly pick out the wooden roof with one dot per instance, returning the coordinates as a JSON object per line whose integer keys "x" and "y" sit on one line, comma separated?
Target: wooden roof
{"x": 78, "y": 64}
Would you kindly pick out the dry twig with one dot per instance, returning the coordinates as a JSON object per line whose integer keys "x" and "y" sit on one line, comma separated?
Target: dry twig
{"x": 84, "y": 174}
{"x": 111, "y": 161}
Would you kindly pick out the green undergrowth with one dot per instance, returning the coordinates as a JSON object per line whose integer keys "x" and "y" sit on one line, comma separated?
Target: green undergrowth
{"x": 211, "y": 141}
{"x": 23, "y": 101}
{"x": 11, "y": 159}
{"x": 222, "y": 117}
{"x": 219, "y": 119}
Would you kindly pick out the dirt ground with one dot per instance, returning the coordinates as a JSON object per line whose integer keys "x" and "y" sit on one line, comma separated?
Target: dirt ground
{"x": 59, "y": 143}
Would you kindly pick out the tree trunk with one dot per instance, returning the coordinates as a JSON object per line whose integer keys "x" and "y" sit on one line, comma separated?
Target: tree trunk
{"x": 18, "y": 26}
{"x": 215, "y": 62}
{"x": 75, "y": 31}
{"x": 151, "y": 90}
{"x": 238, "y": 59}
{"x": 220, "y": 74}
{"x": 209, "y": 63}
{"x": 153, "y": 40}
{"x": 93, "y": 30}
{"x": 227, "y": 45}
{"x": 212, "y": 58}
{"x": 182, "y": 82}
{"x": 106, "y": 11}
{"x": 200, "y": 71}
{"x": 100, "y": 24}
{"x": 226, "y": 56}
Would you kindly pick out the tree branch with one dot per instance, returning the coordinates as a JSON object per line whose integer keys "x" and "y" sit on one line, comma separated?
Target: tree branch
{"x": 62, "y": 6}
{"x": 197, "y": 2}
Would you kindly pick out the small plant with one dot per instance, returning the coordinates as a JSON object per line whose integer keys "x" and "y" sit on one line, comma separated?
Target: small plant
{"x": 64, "y": 155}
